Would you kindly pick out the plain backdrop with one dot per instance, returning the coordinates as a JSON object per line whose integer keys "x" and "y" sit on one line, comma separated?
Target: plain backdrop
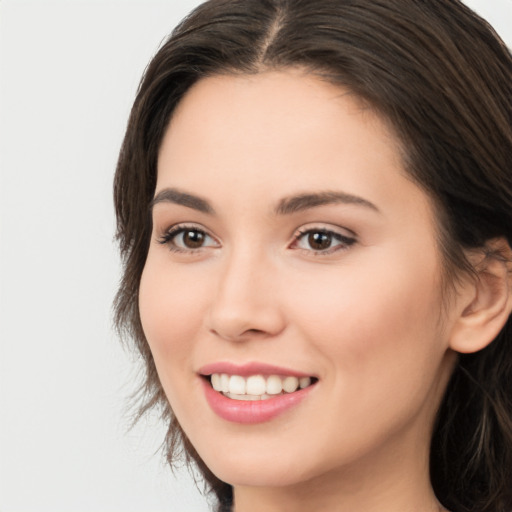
{"x": 68, "y": 74}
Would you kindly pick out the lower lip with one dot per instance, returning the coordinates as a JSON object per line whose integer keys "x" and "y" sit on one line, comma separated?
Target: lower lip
{"x": 252, "y": 411}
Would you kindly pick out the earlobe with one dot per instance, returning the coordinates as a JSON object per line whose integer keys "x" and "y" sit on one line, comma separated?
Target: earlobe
{"x": 488, "y": 300}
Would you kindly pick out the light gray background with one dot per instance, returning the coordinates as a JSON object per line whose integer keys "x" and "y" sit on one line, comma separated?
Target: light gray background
{"x": 69, "y": 71}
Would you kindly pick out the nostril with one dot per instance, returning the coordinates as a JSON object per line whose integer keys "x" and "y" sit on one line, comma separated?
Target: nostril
{"x": 240, "y": 335}
{"x": 254, "y": 331}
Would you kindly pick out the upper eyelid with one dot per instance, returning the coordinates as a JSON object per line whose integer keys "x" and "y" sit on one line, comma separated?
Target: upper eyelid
{"x": 179, "y": 227}
{"x": 297, "y": 232}
{"x": 326, "y": 228}
{"x": 176, "y": 227}
{"x": 335, "y": 234}
{"x": 345, "y": 240}
{"x": 169, "y": 235}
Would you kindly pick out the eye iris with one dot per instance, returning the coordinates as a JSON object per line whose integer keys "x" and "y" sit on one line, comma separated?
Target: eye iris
{"x": 193, "y": 239}
{"x": 319, "y": 241}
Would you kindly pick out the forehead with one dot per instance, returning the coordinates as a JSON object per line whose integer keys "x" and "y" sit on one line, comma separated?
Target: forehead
{"x": 262, "y": 137}
{"x": 272, "y": 110}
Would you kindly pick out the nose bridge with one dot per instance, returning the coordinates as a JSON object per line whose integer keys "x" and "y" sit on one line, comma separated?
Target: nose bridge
{"x": 245, "y": 300}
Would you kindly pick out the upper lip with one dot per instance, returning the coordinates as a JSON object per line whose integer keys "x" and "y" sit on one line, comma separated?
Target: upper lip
{"x": 250, "y": 368}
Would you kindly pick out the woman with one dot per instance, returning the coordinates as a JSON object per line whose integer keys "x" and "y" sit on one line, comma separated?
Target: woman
{"x": 314, "y": 204}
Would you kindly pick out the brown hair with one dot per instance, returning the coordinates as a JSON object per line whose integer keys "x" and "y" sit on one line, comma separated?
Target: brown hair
{"x": 443, "y": 79}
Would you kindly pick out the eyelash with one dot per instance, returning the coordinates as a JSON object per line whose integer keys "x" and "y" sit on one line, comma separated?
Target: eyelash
{"x": 169, "y": 237}
{"x": 345, "y": 241}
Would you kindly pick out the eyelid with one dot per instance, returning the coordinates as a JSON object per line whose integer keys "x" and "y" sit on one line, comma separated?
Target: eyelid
{"x": 327, "y": 227}
{"x": 337, "y": 233}
{"x": 168, "y": 236}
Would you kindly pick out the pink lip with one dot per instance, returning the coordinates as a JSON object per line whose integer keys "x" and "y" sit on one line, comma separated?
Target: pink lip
{"x": 252, "y": 411}
{"x": 252, "y": 368}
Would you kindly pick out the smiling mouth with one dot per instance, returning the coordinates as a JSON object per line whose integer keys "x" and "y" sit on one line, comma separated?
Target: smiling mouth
{"x": 257, "y": 387}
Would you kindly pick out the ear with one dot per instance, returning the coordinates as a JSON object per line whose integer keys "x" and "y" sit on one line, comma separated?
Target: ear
{"x": 485, "y": 300}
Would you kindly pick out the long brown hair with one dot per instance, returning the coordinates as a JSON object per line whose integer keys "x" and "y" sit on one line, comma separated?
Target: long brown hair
{"x": 443, "y": 79}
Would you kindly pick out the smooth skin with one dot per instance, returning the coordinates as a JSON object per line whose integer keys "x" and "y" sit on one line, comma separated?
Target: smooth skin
{"x": 348, "y": 291}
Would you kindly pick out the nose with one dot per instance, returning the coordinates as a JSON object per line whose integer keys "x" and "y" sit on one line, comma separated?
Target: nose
{"x": 245, "y": 304}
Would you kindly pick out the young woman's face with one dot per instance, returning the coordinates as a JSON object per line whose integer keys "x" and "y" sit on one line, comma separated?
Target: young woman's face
{"x": 289, "y": 243}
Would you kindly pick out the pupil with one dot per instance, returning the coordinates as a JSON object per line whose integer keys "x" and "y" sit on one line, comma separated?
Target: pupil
{"x": 193, "y": 239}
{"x": 319, "y": 241}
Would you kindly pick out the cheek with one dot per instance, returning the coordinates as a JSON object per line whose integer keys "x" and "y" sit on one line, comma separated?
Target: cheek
{"x": 376, "y": 319}
{"x": 380, "y": 336}
{"x": 170, "y": 311}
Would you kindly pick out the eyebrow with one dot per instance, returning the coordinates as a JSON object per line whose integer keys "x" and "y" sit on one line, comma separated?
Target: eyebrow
{"x": 303, "y": 202}
{"x": 175, "y": 196}
{"x": 286, "y": 206}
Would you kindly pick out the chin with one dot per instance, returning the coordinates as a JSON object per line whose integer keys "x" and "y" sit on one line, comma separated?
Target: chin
{"x": 250, "y": 474}
{"x": 257, "y": 466}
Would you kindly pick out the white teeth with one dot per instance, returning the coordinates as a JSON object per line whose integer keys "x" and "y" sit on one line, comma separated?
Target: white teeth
{"x": 274, "y": 385}
{"x": 250, "y": 398}
{"x": 243, "y": 397}
{"x": 290, "y": 384}
{"x": 256, "y": 387}
{"x": 304, "y": 382}
{"x": 216, "y": 382}
{"x": 224, "y": 383}
{"x": 237, "y": 385}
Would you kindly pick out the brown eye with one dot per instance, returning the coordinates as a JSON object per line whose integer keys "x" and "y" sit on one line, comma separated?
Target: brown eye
{"x": 319, "y": 241}
{"x": 193, "y": 239}
{"x": 322, "y": 241}
{"x": 183, "y": 239}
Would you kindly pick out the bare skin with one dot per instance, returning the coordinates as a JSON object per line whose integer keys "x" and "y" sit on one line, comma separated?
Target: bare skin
{"x": 361, "y": 313}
